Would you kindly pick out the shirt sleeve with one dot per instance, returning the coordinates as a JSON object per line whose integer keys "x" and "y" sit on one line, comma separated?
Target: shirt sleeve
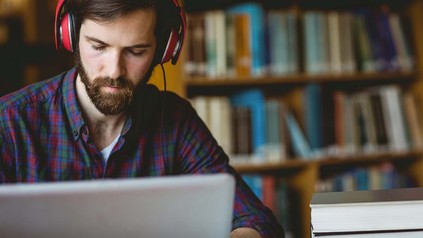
{"x": 199, "y": 152}
{"x": 2, "y": 152}
{"x": 5, "y": 159}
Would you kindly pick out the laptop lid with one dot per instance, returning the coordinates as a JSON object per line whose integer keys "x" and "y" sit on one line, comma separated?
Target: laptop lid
{"x": 170, "y": 206}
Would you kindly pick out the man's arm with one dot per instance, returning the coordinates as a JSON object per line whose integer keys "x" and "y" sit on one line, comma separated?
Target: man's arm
{"x": 6, "y": 169}
{"x": 245, "y": 233}
{"x": 2, "y": 152}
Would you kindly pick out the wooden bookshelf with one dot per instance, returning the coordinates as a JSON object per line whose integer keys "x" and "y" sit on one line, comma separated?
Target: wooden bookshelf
{"x": 303, "y": 174}
{"x": 397, "y": 77}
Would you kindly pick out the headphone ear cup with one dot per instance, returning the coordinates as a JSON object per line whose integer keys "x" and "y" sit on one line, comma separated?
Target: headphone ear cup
{"x": 67, "y": 32}
{"x": 172, "y": 43}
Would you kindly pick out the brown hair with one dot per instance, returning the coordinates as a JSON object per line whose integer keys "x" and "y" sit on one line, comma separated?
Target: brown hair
{"x": 108, "y": 10}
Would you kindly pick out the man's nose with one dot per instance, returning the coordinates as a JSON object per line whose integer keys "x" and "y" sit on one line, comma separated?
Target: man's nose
{"x": 116, "y": 65}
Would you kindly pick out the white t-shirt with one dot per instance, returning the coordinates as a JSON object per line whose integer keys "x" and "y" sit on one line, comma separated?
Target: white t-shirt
{"x": 106, "y": 151}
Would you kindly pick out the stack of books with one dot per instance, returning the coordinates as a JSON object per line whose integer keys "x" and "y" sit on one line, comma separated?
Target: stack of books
{"x": 368, "y": 213}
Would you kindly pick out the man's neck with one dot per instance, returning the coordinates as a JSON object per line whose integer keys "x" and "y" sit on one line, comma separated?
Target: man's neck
{"x": 103, "y": 129}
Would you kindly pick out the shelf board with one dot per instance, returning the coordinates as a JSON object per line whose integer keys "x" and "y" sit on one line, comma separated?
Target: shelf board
{"x": 298, "y": 163}
{"x": 300, "y": 78}
{"x": 370, "y": 158}
{"x": 270, "y": 166}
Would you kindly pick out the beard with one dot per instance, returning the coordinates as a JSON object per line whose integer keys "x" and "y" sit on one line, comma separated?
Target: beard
{"x": 106, "y": 102}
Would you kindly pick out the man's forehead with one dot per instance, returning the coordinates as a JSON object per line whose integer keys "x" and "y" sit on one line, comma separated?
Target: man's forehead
{"x": 144, "y": 13}
{"x": 135, "y": 27}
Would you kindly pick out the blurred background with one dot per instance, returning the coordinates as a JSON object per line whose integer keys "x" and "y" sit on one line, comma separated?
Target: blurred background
{"x": 27, "y": 52}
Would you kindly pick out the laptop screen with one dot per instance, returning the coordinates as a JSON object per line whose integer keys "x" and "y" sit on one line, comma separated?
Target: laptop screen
{"x": 170, "y": 206}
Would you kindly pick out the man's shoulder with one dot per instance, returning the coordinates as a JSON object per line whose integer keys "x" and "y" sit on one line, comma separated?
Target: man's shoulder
{"x": 171, "y": 99}
{"x": 174, "y": 101}
{"x": 170, "y": 103}
{"x": 33, "y": 94}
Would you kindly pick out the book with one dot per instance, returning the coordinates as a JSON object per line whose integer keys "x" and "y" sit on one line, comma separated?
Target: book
{"x": 398, "y": 209}
{"x": 269, "y": 192}
{"x": 196, "y": 57}
{"x": 339, "y": 99}
{"x": 413, "y": 119}
{"x": 230, "y": 44}
{"x": 376, "y": 105}
{"x": 299, "y": 142}
{"x": 365, "y": 55}
{"x": 278, "y": 42}
{"x": 334, "y": 38}
{"x": 220, "y": 31}
{"x": 243, "y": 54}
{"x": 315, "y": 43}
{"x": 241, "y": 133}
{"x": 215, "y": 111}
{"x": 275, "y": 143}
{"x": 220, "y": 122}
{"x": 396, "y": 124}
{"x": 406, "y": 59}
{"x": 368, "y": 122}
{"x": 314, "y": 116}
{"x": 210, "y": 37}
{"x": 255, "y": 101}
{"x": 201, "y": 106}
{"x": 348, "y": 59}
{"x": 255, "y": 14}
{"x": 282, "y": 38}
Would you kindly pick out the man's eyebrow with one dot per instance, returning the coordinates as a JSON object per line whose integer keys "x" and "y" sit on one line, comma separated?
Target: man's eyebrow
{"x": 95, "y": 40}
{"x": 146, "y": 45}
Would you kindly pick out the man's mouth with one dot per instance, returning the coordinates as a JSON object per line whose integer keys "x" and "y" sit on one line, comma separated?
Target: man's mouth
{"x": 112, "y": 89}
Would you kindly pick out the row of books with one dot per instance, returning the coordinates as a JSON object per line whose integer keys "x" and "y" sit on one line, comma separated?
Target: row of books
{"x": 377, "y": 119}
{"x": 383, "y": 176}
{"x": 246, "y": 125}
{"x": 311, "y": 123}
{"x": 246, "y": 40}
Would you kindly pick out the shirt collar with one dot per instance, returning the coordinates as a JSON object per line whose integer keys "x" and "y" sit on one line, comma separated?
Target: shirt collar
{"x": 72, "y": 106}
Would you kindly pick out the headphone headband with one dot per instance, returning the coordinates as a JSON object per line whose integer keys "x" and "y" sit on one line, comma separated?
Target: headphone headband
{"x": 65, "y": 32}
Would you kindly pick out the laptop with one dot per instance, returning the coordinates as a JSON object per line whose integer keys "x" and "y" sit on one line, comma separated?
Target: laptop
{"x": 170, "y": 206}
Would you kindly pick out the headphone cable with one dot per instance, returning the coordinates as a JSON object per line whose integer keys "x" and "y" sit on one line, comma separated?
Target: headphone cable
{"x": 164, "y": 95}
{"x": 163, "y": 110}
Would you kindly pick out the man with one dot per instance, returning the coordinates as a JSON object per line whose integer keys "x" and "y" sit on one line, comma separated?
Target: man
{"x": 101, "y": 119}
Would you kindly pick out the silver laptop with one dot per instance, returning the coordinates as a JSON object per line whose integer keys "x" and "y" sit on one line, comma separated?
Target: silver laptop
{"x": 172, "y": 206}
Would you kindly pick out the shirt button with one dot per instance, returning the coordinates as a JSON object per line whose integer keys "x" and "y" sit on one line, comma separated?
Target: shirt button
{"x": 75, "y": 133}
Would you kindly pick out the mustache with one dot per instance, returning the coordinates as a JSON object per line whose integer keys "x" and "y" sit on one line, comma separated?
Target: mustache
{"x": 120, "y": 82}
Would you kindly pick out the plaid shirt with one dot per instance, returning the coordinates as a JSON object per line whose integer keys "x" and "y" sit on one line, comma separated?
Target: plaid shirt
{"x": 43, "y": 137}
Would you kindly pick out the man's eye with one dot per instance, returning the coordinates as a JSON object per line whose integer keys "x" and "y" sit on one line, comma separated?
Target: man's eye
{"x": 98, "y": 48}
{"x": 136, "y": 53}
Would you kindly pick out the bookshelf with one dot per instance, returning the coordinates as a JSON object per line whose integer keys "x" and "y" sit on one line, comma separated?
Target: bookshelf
{"x": 304, "y": 176}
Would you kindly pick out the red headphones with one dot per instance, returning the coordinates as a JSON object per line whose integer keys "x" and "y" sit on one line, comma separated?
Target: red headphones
{"x": 65, "y": 33}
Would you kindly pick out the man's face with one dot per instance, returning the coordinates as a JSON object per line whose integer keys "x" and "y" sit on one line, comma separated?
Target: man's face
{"x": 115, "y": 57}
